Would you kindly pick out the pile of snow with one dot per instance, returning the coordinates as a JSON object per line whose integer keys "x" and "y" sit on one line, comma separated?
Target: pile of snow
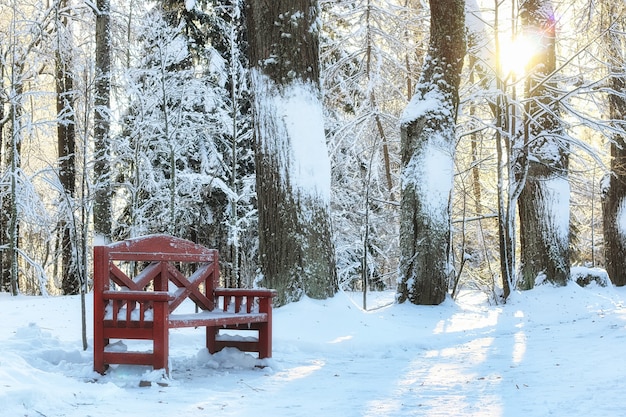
{"x": 548, "y": 351}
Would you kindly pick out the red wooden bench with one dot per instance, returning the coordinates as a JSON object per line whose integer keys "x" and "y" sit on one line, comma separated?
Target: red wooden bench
{"x": 152, "y": 276}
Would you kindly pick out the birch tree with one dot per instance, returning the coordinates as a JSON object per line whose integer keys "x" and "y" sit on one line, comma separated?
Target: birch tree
{"x": 292, "y": 163}
{"x": 427, "y": 151}
{"x": 544, "y": 201}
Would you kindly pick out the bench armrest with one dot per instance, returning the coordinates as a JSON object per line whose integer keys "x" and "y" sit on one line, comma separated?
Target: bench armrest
{"x": 244, "y": 292}
{"x": 140, "y": 296}
{"x": 240, "y": 300}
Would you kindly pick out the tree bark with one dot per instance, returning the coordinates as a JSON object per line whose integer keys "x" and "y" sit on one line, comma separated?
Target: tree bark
{"x": 102, "y": 104}
{"x": 293, "y": 169}
{"x": 5, "y": 271}
{"x": 66, "y": 148}
{"x": 14, "y": 153}
{"x": 544, "y": 201}
{"x": 614, "y": 187}
{"x": 427, "y": 150}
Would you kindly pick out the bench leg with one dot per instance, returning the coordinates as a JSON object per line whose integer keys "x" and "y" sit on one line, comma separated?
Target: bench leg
{"x": 211, "y": 335}
{"x": 161, "y": 349}
{"x": 265, "y": 341}
{"x": 98, "y": 355}
{"x": 263, "y": 346}
{"x": 99, "y": 343}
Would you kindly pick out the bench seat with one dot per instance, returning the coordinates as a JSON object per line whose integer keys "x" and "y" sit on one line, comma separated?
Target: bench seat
{"x": 211, "y": 318}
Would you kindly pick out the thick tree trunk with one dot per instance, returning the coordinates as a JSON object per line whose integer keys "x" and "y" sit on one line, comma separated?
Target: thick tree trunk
{"x": 292, "y": 163}
{"x": 614, "y": 187}
{"x": 102, "y": 203}
{"x": 428, "y": 140}
{"x": 66, "y": 144}
{"x": 544, "y": 202}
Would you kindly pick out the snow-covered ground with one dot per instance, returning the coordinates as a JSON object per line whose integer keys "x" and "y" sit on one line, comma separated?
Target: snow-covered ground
{"x": 549, "y": 351}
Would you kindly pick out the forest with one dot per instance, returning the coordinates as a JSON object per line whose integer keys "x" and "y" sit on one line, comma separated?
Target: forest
{"x": 409, "y": 145}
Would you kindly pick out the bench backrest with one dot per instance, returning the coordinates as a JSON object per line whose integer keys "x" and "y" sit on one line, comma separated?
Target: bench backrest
{"x": 159, "y": 263}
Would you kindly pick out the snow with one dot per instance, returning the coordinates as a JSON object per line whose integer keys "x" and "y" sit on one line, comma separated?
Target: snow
{"x": 304, "y": 119}
{"x": 429, "y": 103}
{"x": 556, "y": 208}
{"x": 190, "y": 4}
{"x": 621, "y": 220}
{"x": 548, "y": 351}
{"x": 431, "y": 173}
{"x": 291, "y": 117}
{"x": 479, "y": 43}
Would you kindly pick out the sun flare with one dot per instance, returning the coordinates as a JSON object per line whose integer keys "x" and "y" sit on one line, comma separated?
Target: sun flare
{"x": 516, "y": 54}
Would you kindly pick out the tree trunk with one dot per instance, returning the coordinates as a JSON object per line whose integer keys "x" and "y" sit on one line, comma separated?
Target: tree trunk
{"x": 14, "y": 163}
{"x": 102, "y": 203}
{"x": 614, "y": 187}
{"x": 427, "y": 147}
{"x": 5, "y": 272}
{"x": 66, "y": 144}
{"x": 505, "y": 124}
{"x": 13, "y": 151}
{"x": 292, "y": 164}
{"x": 544, "y": 201}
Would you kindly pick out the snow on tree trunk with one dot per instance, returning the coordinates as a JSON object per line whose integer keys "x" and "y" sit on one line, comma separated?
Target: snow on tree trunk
{"x": 544, "y": 223}
{"x": 614, "y": 185}
{"x": 427, "y": 142}
{"x": 293, "y": 167}
{"x": 544, "y": 202}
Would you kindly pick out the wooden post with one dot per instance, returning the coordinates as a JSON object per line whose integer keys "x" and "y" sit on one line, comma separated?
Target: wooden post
{"x": 100, "y": 283}
{"x": 265, "y": 329}
{"x": 160, "y": 337}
